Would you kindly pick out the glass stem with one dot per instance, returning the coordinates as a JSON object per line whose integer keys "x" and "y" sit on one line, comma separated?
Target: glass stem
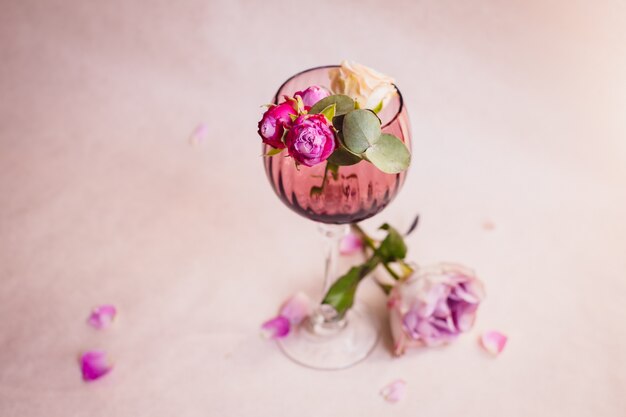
{"x": 333, "y": 234}
{"x": 324, "y": 319}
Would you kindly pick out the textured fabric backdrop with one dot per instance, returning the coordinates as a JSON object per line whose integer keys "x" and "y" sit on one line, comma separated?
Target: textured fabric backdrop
{"x": 518, "y": 115}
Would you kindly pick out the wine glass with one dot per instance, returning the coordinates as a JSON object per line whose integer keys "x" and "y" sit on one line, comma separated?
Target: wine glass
{"x": 357, "y": 192}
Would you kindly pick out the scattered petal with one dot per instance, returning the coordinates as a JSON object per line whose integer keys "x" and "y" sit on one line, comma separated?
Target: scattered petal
{"x": 296, "y": 308}
{"x": 493, "y": 342}
{"x": 395, "y": 391}
{"x": 276, "y": 328}
{"x": 102, "y": 316}
{"x": 488, "y": 225}
{"x": 94, "y": 365}
{"x": 350, "y": 243}
{"x": 198, "y": 135}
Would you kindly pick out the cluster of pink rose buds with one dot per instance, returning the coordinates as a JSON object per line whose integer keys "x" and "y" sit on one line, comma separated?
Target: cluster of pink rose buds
{"x": 308, "y": 138}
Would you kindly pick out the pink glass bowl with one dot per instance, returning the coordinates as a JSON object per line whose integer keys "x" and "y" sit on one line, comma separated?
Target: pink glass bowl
{"x": 360, "y": 191}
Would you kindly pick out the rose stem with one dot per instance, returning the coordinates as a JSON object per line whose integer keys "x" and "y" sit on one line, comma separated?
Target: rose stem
{"x": 370, "y": 244}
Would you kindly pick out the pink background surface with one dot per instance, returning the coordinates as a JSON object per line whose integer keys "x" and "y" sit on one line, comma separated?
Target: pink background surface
{"x": 518, "y": 114}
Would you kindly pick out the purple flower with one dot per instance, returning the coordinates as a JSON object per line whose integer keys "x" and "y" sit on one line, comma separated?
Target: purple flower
{"x": 311, "y": 139}
{"x": 433, "y": 306}
{"x": 312, "y": 95}
{"x": 274, "y": 122}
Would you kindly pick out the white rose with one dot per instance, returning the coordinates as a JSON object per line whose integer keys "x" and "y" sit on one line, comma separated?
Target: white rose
{"x": 370, "y": 88}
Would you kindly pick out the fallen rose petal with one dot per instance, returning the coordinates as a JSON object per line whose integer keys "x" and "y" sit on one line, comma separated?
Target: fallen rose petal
{"x": 488, "y": 225}
{"x": 94, "y": 365}
{"x": 493, "y": 342}
{"x": 276, "y": 328}
{"x": 296, "y": 308}
{"x": 102, "y": 316}
{"x": 350, "y": 243}
{"x": 198, "y": 135}
{"x": 395, "y": 391}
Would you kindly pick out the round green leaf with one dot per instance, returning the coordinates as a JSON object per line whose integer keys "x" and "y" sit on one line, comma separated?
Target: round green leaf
{"x": 361, "y": 128}
{"x": 389, "y": 154}
{"x": 343, "y": 157}
{"x": 343, "y": 103}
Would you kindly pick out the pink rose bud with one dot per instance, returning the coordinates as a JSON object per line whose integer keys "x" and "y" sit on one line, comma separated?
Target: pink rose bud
{"x": 312, "y": 95}
{"x": 310, "y": 139}
{"x": 433, "y": 306}
{"x": 273, "y": 124}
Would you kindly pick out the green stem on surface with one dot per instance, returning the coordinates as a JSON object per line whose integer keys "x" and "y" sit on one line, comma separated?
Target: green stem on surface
{"x": 369, "y": 242}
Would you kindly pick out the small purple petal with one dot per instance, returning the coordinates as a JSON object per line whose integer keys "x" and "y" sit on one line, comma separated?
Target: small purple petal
{"x": 395, "y": 391}
{"x": 102, "y": 316}
{"x": 276, "y": 328}
{"x": 350, "y": 243}
{"x": 94, "y": 366}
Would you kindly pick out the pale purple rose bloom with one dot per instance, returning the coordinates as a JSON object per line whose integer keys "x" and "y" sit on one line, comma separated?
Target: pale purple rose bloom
{"x": 433, "y": 306}
{"x": 312, "y": 95}
{"x": 274, "y": 122}
{"x": 311, "y": 139}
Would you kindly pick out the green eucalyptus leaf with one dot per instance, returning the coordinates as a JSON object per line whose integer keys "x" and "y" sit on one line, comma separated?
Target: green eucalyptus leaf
{"x": 361, "y": 129}
{"x": 342, "y": 156}
{"x": 338, "y": 122}
{"x": 330, "y": 111}
{"x": 392, "y": 247}
{"x": 343, "y": 102}
{"x": 389, "y": 154}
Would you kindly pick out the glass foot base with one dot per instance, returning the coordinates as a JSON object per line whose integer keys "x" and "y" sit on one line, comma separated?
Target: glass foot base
{"x": 336, "y": 345}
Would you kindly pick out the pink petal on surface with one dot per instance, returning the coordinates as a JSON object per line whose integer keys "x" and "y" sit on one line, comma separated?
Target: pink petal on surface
{"x": 395, "y": 391}
{"x": 94, "y": 365}
{"x": 296, "y": 308}
{"x": 276, "y": 328}
{"x": 198, "y": 135}
{"x": 102, "y": 316}
{"x": 493, "y": 342}
{"x": 488, "y": 225}
{"x": 350, "y": 243}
